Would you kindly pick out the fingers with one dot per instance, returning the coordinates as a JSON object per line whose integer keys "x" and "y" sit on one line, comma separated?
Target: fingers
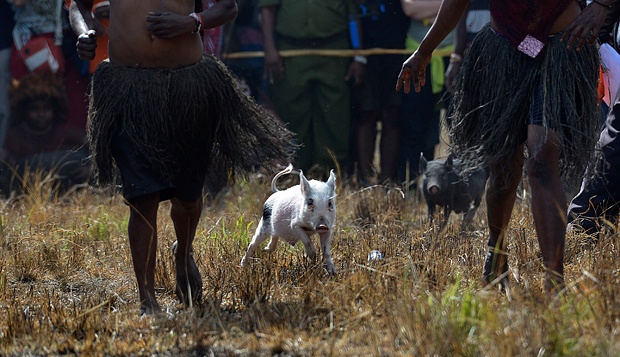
{"x": 421, "y": 81}
{"x": 86, "y": 45}
{"x": 274, "y": 73}
{"x": 156, "y": 16}
{"x": 407, "y": 76}
{"x": 88, "y": 36}
{"x": 154, "y": 23}
{"x": 580, "y": 38}
{"x": 404, "y": 79}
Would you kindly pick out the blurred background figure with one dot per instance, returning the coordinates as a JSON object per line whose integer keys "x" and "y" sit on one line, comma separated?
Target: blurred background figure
{"x": 377, "y": 106}
{"x": 244, "y": 35}
{"x": 474, "y": 19}
{"x": 40, "y": 140}
{"x": 6, "y": 41}
{"x": 422, "y": 111}
{"x": 310, "y": 93}
{"x": 597, "y": 204}
{"x": 48, "y": 18}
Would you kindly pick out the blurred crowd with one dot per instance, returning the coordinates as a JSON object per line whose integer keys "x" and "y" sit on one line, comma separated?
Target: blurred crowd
{"x": 342, "y": 107}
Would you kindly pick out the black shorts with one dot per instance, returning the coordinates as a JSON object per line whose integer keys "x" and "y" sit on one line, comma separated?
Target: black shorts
{"x": 139, "y": 180}
{"x": 537, "y": 108}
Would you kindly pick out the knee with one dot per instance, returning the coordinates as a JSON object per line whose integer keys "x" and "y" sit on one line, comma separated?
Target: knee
{"x": 186, "y": 207}
{"x": 503, "y": 185}
{"x": 541, "y": 171}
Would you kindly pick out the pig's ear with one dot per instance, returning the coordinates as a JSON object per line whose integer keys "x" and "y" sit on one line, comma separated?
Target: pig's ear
{"x": 422, "y": 163}
{"x": 449, "y": 161}
{"x": 331, "y": 182}
{"x": 304, "y": 184}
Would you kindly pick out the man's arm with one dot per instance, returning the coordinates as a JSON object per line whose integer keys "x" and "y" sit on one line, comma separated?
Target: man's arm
{"x": 460, "y": 43}
{"x": 170, "y": 25}
{"x": 460, "y": 35}
{"x": 80, "y": 16}
{"x": 223, "y": 12}
{"x": 87, "y": 41}
{"x": 274, "y": 69}
{"x": 587, "y": 23}
{"x": 414, "y": 68}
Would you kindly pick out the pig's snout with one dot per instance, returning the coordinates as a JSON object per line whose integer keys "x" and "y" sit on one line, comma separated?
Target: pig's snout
{"x": 321, "y": 228}
{"x": 322, "y": 225}
{"x": 433, "y": 190}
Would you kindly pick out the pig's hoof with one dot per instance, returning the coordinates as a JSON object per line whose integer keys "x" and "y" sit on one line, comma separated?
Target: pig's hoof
{"x": 312, "y": 255}
{"x": 243, "y": 263}
{"x": 331, "y": 269}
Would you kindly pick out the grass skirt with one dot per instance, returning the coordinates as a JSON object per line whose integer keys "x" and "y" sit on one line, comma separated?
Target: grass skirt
{"x": 192, "y": 116}
{"x": 489, "y": 117}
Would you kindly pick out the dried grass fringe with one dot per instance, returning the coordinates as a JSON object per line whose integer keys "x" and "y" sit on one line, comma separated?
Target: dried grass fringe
{"x": 194, "y": 115}
{"x": 488, "y": 121}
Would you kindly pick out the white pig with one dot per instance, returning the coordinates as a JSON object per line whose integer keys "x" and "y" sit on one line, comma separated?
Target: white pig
{"x": 296, "y": 214}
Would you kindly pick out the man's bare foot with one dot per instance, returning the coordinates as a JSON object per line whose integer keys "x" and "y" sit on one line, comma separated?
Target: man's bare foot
{"x": 189, "y": 282}
{"x": 152, "y": 308}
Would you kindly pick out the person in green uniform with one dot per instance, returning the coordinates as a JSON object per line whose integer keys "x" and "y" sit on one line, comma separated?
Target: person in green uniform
{"x": 311, "y": 93}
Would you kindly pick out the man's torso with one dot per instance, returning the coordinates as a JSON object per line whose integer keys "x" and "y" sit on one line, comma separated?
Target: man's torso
{"x": 131, "y": 44}
{"x": 312, "y": 19}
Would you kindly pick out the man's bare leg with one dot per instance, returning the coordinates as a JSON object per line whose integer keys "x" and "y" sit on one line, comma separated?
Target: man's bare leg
{"x": 548, "y": 201}
{"x": 185, "y": 216}
{"x": 142, "y": 231}
{"x": 500, "y": 197}
{"x": 390, "y": 137}
{"x": 365, "y": 137}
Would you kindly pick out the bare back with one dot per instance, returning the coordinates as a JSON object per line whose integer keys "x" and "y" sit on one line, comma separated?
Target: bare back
{"x": 131, "y": 44}
{"x": 563, "y": 21}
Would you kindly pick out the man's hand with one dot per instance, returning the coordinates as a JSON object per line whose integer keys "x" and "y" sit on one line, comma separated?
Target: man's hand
{"x": 356, "y": 72}
{"x": 586, "y": 26}
{"x": 414, "y": 69}
{"x": 274, "y": 66}
{"x": 451, "y": 73}
{"x": 169, "y": 25}
{"x": 86, "y": 45}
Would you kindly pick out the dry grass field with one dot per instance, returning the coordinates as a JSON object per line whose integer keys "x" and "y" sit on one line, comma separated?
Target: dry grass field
{"x": 67, "y": 286}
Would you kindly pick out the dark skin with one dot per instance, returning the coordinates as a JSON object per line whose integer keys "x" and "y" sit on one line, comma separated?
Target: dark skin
{"x": 548, "y": 197}
{"x": 156, "y": 34}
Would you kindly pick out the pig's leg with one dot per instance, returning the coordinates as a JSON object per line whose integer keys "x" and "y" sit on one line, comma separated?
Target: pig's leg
{"x": 273, "y": 243}
{"x": 431, "y": 212}
{"x": 548, "y": 201}
{"x": 305, "y": 239}
{"x": 500, "y": 197}
{"x": 261, "y": 234}
{"x": 326, "y": 239}
{"x": 446, "y": 216}
{"x": 469, "y": 216}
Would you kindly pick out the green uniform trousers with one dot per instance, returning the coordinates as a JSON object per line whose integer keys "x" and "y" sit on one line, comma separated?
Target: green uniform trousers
{"x": 315, "y": 102}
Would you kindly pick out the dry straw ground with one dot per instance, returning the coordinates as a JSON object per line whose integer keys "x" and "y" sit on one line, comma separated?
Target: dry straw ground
{"x": 67, "y": 285}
